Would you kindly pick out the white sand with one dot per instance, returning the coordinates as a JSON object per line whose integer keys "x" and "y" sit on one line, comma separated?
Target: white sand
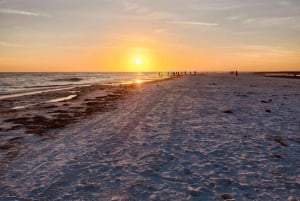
{"x": 173, "y": 141}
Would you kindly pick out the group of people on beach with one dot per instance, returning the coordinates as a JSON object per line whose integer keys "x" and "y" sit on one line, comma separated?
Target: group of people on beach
{"x": 174, "y": 74}
{"x": 234, "y": 73}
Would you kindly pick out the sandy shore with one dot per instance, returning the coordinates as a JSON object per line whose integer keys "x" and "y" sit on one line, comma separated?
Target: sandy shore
{"x": 206, "y": 137}
{"x": 40, "y": 115}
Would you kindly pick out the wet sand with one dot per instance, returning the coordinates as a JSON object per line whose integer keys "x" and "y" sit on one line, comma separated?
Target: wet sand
{"x": 290, "y": 75}
{"x": 39, "y": 116}
{"x": 206, "y": 137}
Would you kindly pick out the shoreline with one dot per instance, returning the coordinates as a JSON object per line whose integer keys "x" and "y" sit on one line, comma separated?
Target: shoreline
{"x": 288, "y": 74}
{"x": 45, "y": 113}
{"x": 15, "y": 84}
{"x": 50, "y": 88}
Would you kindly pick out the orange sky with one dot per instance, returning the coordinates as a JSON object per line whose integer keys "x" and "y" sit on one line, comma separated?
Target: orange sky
{"x": 161, "y": 58}
{"x": 170, "y": 36}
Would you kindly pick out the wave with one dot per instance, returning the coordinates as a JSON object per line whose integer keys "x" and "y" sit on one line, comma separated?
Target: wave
{"x": 40, "y": 86}
{"x": 72, "y": 79}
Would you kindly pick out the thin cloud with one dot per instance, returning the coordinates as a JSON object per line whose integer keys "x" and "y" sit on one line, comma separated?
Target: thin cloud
{"x": 7, "y": 44}
{"x": 160, "y": 30}
{"x": 3, "y": 1}
{"x": 216, "y": 7}
{"x": 195, "y": 23}
{"x": 251, "y": 47}
{"x": 260, "y": 49}
{"x": 129, "y": 6}
{"x": 22, "y": 12}
{"x": 270, "y": 21}
{"x": 285, "y": 3}
{"x": 134, "y": 7}
{"x": 141, "y": 10}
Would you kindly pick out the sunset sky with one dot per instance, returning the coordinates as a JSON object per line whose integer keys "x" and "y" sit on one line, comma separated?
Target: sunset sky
{"x": 163, "y": 35}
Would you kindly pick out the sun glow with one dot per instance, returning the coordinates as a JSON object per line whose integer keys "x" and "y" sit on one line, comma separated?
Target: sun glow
{"x": 138, "y": 61}
{"x": 138, "y": 81}
{"x": 130, "y": 58}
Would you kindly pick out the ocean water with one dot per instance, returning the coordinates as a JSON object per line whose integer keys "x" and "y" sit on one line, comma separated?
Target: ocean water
{"x": 14, "y": 83}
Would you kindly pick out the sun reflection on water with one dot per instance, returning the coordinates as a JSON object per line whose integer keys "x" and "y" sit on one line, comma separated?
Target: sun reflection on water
{"x": 138, "y": 81}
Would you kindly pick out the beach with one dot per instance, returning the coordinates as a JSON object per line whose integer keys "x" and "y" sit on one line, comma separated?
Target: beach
{"x": 212, "y": 136}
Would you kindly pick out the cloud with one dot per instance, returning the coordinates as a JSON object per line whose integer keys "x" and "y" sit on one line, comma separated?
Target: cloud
{"x": 235, "y": 17}
{"x": 22, "y": 12}
{"x": 3, "y": 1}
{"x": 269, "y": 21}
{"x": 216, "y": 7}
{"x": 160, "y": 30}
{"x": 251, "y": 47}
{"x": 195, "y": 23}
{"x": 7, "y": 44}
{"x": 134, "y": 7}
{"x": 285, "y": 3}
{"x": 260, "y": 49}
{"x": 145, "y": 11}
{"x": 129, "y": 6}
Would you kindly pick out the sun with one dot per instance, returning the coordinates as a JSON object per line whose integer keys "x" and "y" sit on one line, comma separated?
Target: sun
{"x": 138, "y": 61}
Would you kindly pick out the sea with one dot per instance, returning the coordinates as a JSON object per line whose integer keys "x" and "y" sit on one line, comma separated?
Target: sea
{"x": 20, "y": 83}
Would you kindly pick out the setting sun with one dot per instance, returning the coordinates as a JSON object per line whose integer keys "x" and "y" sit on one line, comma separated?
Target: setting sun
{"x": 138, "y": 61}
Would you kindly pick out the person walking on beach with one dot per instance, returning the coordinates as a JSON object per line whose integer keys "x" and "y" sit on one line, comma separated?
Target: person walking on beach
{"x": 236, "y": 73}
